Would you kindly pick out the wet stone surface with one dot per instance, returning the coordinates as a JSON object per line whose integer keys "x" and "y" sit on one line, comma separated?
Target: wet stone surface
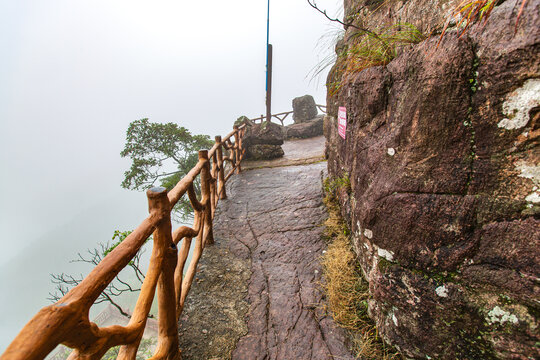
{"x": 297, "y": 152}
{"x": 270, "y": 305}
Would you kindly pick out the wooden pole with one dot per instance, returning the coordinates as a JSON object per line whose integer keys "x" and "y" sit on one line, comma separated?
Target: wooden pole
{"x": 179, "y": 272}
{"x": 192, "y": 268}
{"x": 213, "y": 184}
{"x": 221, "y": 172}
{"x": 206, "y": 198}
{"x": 167, "y": 347}
{"x": 241, "y": 146}
{"x": 237, "y": 149}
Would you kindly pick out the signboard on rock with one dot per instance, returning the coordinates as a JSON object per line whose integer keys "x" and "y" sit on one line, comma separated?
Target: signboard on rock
{"x": 342, "y": 121}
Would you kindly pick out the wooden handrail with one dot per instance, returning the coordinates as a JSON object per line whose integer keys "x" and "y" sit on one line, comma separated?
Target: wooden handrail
{"x": 67, "y": 321}
{"x": 282, "y": 116}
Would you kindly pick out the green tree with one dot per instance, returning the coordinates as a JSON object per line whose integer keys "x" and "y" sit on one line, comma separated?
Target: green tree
{"x": 161, "y": 154}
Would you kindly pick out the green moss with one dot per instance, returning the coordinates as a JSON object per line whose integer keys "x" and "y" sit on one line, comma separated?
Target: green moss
{"x": 337, "y": 184}
{"x": 330, "y": 188}
{"x": 384, "y": 264}
{"x": 505, "y": 299}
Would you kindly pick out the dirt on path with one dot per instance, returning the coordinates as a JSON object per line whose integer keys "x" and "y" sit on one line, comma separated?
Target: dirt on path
{"x": 258, "y": 293}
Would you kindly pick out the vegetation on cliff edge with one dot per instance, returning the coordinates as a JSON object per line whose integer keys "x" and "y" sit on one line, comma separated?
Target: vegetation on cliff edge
{"x": 345, "y": 287}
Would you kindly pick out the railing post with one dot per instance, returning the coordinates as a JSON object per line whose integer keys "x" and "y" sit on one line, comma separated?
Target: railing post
{"x": 206, "y": 198}
{"x": 237, "y": 147}
{"x": 221, "y": 171}
{"x": 213, "y": 184}
{"x": 168, "y": 343}
{"x": 241, "y": 135}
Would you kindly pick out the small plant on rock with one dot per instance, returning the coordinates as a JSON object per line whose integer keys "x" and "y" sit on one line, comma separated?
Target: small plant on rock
{"x": 469, "y": 12}
{"x": 379, "y": 47}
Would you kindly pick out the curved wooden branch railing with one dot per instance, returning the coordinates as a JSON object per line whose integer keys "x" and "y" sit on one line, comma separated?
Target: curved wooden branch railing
{"x": 322, "y": 108}
{"x": 282, "y": 116}
{"x": 67, "y": 321}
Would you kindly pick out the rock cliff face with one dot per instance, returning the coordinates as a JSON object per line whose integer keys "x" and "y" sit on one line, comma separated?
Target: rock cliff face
{"x": 442, "y": 154}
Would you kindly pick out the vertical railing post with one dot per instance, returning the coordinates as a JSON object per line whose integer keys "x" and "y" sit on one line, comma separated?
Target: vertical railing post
{"x": 167, "y": 347}
{"x": 221, "y": 171}
{"x": 213, "y": 184}
{"x": 206, "y": 198}
{"x": 241, "y": 146}
{"x": 237, "y": 143}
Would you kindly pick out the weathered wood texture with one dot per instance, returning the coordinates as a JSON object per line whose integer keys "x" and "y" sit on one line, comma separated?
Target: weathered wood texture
{"x": 67, "y": 321}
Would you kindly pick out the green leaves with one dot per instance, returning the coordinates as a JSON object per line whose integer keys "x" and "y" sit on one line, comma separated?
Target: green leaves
{"x": 161, "y": 153}
{"x": 153, "y": 146}
{"x": 120, "y": 235}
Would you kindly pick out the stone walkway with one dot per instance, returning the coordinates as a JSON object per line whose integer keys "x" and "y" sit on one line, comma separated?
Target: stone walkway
{"x": 258, "y": 292}
{"x": 297, "y": 152}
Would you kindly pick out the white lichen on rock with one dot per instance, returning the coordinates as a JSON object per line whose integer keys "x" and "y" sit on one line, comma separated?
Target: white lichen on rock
{"x": 358, "y": 231}
{"x": 442, "y": 291}
{"x": 529, "y": 171}
{"x": 498, "y": 315}
{"x": 519, "y": 103}
{"x": 533, "y": 198}
{"x": 392, "y": 316}
{"x": 388, "y": 255}
{"x": 368, "y": 233}
{"x": 394, "y": 319}
{"x": 532, "y": 172}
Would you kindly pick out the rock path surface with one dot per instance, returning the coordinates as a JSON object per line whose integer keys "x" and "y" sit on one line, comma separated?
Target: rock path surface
{"x": 297, "y": 152}
{"x": 269, "y": 304}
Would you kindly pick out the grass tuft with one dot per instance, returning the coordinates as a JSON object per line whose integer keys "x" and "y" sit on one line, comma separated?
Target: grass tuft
{"x": 374, "y": 48}
{"x": 346, "y": 289}
{"x": 379, "y": 47}
{"x": 469, "y": 12}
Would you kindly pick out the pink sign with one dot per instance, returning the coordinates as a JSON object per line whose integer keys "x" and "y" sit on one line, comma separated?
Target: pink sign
{"x": 342, "y": 121}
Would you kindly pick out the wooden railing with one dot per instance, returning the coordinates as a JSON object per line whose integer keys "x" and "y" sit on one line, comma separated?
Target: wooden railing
{"x": 282, "y": 116}
{"x": 67, "y": 321}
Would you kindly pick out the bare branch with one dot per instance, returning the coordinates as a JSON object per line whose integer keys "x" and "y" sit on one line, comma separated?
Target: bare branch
{"x": 113, "y": 303}
{"x": 346, "y": 24}
{"x": 65, "y": 282}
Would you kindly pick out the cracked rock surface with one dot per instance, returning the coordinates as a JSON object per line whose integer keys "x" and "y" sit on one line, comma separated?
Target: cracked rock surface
{"x": 444, "y": 200}
{"x": 271, "y": 223}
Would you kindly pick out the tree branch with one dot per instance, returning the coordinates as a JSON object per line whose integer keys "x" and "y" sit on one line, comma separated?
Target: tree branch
{"x": 109, "y": 299}
{"x": 65, "y": 282}
{"x": 314, "y": 5}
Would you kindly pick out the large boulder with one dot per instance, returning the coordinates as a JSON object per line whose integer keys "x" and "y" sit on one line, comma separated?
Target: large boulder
{"x": 263, "y": 141}
{"x": 265, "y": 133}
{"x": 264, "y": 152}
{"x": 305, "y": 130}
{"x": 304, "y": 109}
{"x": 242, "y": 120}
{"x": 444, "y": 203}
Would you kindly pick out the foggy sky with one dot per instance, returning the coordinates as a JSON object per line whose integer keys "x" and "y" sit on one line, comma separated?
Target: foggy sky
{"x": 74, "y": 74}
